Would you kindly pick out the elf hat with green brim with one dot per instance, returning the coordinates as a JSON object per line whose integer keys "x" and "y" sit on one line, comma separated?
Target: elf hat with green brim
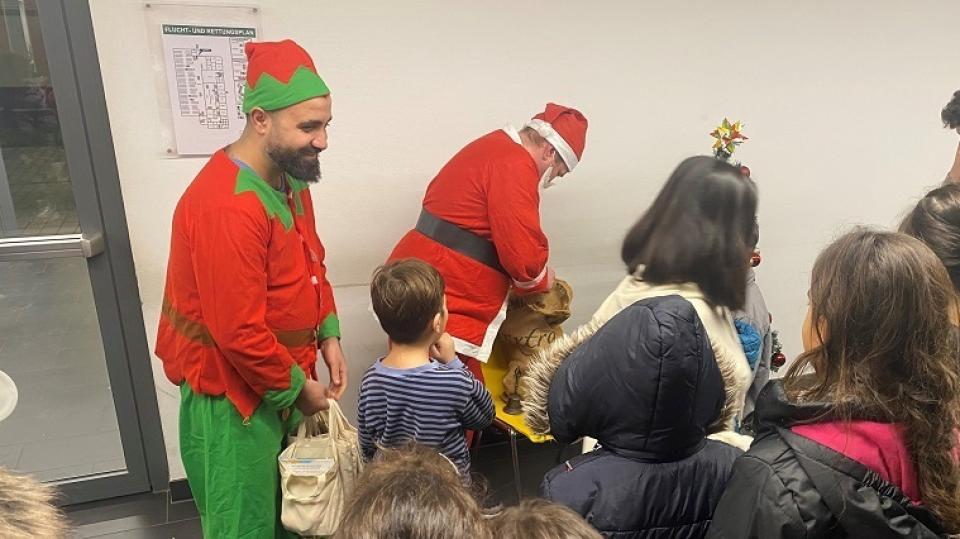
{"x": 279, "y": 74}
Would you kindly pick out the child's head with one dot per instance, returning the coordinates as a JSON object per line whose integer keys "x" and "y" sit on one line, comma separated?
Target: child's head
{"x": 540, "y": 519}
{"x": 408, "y": 298}
{"x": 936, "y": 221}
{"x": 877, "y": 297}
{"x": 699, "y": 230}
{"x": 26, "y": 509}
{"x": 879, "y": 338}
{"x": 412, "y": 491}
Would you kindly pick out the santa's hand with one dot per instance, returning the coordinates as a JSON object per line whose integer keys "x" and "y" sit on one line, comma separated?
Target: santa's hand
{"x": 337, "y": 366}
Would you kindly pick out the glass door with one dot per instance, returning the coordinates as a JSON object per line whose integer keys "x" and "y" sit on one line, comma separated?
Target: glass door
{"x": 78, "y": 421}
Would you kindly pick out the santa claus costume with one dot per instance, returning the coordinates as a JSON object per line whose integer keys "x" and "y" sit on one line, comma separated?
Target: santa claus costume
{"x": 480, "y": 226}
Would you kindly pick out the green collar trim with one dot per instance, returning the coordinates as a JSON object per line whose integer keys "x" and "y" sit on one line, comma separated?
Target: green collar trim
{"x": 274, "y": 202}
{"x": 296, "y": 186}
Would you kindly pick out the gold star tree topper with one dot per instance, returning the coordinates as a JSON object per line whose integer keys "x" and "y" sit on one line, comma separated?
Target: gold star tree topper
{"x": 726, "y": 137}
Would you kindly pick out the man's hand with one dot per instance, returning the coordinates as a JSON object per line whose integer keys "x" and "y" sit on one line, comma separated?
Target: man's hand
{"x": 443, "y": 350}
{"x": 336, "y": 364}
{"x": 312, "y": 398}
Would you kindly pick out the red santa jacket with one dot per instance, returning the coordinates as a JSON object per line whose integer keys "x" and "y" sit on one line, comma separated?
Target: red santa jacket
{"x": 246, "y": 297}
{"x": 490, "y": 188}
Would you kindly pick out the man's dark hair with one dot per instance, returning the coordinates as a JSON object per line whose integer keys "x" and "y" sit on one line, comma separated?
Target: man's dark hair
{"x": 698, "y": 230}
{"x": 951, "y": 113}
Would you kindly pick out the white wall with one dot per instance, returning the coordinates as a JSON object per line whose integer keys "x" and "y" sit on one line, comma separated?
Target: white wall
{"x": 840, "y": 99}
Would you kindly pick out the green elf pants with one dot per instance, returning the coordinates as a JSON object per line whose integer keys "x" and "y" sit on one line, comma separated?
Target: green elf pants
{"x": 231, "y": 464}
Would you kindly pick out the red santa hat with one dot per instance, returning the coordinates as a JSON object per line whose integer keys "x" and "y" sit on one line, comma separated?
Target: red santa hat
{"x": 565, "y": 129}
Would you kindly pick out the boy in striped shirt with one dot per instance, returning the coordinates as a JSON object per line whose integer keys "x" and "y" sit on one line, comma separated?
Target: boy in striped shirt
{"x": 420, "y": 391}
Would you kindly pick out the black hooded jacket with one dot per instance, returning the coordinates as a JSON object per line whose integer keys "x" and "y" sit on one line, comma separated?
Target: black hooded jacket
{"x": 788, "y": 486}
{"x": 647, "y": 386}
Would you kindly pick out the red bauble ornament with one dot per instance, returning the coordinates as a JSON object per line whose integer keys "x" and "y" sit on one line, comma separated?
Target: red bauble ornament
{"x": 755, "y": 259}
{"x": 745, "y": 170}
{"x": 778, "y": 360}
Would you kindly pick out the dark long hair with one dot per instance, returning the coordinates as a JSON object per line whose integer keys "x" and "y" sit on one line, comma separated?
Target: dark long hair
{"x": 880, "y": 306}
{"x": 936, "y": 221}
{"x": 698, "y": 230}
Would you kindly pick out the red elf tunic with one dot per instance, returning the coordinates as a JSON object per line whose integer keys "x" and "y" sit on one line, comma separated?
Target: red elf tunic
{"x": 247, "y": 297}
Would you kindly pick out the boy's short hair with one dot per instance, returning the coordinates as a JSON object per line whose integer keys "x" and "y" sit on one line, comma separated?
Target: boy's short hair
{"x": 536, "y": 518}
{"x": 406, "y": 295}
{"x": 411, "y": 491}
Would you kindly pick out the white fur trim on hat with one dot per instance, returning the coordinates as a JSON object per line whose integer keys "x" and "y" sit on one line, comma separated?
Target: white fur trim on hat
{"x": 545, "y": 130}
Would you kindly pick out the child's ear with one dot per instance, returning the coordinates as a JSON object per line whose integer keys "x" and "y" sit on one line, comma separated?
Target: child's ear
{"x": 437, "y": 324}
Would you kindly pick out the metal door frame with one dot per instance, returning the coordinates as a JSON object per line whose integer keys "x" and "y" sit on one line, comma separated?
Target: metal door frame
{"x": 82, "y": 112}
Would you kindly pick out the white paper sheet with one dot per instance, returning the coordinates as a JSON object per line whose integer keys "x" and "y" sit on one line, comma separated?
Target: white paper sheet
{"x": 206, "y": 69}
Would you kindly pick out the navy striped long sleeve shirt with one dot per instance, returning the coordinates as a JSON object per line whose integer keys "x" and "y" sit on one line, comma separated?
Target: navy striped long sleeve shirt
{"x": 431, "y": 404}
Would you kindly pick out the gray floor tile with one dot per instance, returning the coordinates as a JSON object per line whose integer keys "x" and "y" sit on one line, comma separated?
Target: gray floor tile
{"x": 118, "y": 526}
{"x": 185, "y": 510}
{"x": 47, "y": 413}
{"x": 108, "y": 418}
{"x": 72, "y": 451}
{"x": 187, "y": 529}
{"x": 114, "y": 465}
{"x": 152, "y": 507}
{"x": 46, "y": 473}
{"x": 83, "y": 352}
{"x": 40, "y": 372}
{"x": 10, "y": 456}
{"x": 25, "y": 351}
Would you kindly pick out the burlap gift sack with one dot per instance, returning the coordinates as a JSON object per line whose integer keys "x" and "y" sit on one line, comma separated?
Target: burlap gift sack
{"x": 532, "y": 323}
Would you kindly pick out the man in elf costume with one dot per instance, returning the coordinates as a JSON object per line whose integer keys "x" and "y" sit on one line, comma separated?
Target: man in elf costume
{"x": 480, "y": 223}
{"x": 247, "y": 302}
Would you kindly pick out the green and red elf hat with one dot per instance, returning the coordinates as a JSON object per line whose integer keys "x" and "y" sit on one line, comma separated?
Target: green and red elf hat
{"x": 279, "y": 74}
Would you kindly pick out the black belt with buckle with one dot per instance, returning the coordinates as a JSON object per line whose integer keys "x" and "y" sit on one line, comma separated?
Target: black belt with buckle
{"x": 462, "y": 241}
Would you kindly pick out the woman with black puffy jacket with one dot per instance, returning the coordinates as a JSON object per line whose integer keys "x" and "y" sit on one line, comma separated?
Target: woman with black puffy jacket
{"x": 658, "y": 375}
{"x": 647, "y": 386}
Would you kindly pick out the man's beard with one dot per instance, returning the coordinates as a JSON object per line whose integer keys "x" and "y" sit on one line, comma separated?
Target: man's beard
{"x": 300, "y": 163}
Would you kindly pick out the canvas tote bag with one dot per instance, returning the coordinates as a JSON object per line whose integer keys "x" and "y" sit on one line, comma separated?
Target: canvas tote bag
{"x": 318, "y": 471}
